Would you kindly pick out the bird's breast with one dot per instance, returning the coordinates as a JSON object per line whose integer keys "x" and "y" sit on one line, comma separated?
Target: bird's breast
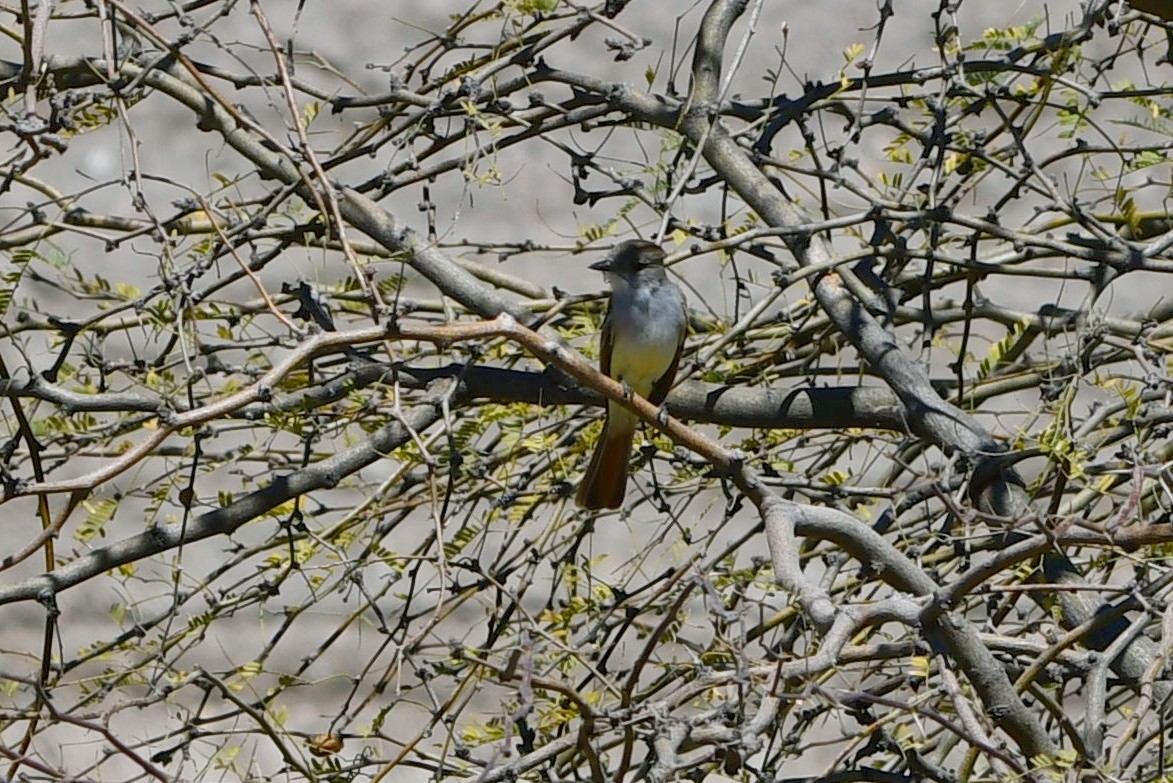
{"x": 645, "y": 340}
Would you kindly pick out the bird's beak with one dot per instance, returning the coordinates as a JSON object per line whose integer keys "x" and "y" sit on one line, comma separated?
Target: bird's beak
{"x": 602, "y": 266}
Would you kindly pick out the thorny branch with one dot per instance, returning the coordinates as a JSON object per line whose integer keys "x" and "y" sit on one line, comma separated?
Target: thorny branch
{"x": 360, "y": 409}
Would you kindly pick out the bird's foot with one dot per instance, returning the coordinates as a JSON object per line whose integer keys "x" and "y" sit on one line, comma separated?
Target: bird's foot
{"x": 662, "y": 415}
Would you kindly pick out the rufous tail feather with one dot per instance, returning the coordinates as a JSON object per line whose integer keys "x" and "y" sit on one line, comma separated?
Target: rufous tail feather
{"x": 606, "y": 477}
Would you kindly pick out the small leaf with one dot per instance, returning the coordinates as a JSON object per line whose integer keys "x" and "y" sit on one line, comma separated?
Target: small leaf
{"x": 310, "y": 112}
{"x": 98, "y": 513}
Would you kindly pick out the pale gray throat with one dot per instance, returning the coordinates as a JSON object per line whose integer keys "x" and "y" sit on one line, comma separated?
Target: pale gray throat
{"x": 646, "y": 300}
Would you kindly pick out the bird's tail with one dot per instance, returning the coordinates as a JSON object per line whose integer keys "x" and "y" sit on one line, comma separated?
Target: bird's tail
{"x": 606, "y": 477}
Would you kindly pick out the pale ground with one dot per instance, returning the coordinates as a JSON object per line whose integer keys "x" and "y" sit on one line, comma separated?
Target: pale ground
{"x": 351, "y": 34}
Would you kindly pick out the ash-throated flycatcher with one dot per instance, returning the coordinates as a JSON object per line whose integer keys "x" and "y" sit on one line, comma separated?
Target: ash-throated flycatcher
{"x": 643, "y": 337}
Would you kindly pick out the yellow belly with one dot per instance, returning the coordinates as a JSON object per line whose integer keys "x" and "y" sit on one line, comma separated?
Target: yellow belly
{"x": 642, "y": 361}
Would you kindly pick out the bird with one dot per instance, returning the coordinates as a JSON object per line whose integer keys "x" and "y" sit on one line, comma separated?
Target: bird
{"x": 640, "y": 346}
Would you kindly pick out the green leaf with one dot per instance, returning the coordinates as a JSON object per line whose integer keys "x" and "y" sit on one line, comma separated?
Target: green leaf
{"x": 98, "y": 513}
{"x": 1008, "y": 349}
{"x": 10, "y": 280}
